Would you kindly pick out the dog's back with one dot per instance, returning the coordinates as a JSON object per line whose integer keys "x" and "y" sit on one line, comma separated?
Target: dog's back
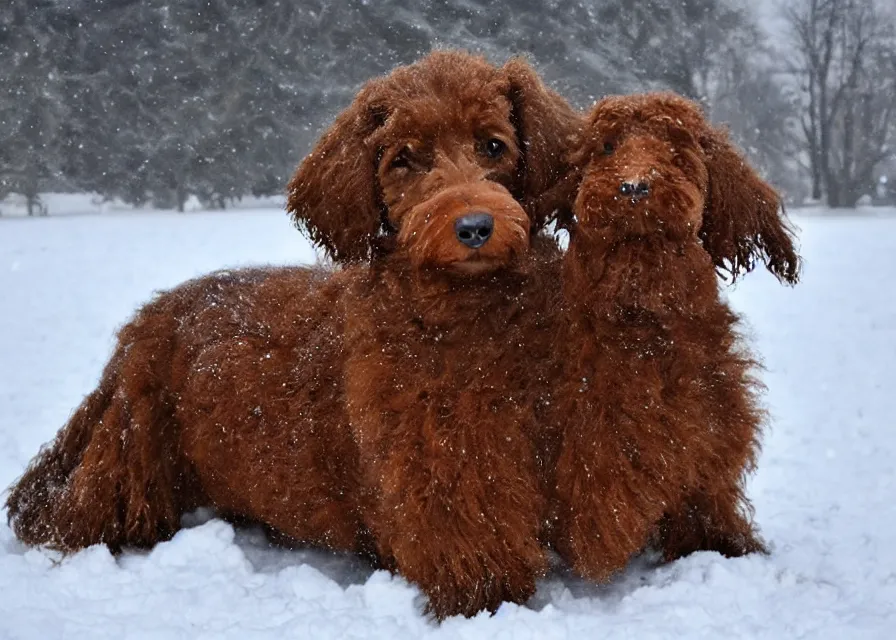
{"x": 173, "y": 402}
{"x": 263, "y": 399}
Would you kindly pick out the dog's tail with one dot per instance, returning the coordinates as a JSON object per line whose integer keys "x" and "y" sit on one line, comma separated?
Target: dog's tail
{"x": 112, "y": 474}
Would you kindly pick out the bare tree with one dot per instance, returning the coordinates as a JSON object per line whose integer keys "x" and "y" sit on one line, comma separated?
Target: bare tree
{"x": 752, "y": 99}
{"x": 841, "y": 48}
{"x": 672, "y": 44}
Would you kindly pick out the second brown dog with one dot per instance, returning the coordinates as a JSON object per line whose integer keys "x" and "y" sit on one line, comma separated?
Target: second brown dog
{"x": 657, "y": 401}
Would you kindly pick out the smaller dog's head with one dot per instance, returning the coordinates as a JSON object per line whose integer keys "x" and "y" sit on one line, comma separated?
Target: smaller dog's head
{"x": 436, "y": 162}
{"x": 653, "y": 166}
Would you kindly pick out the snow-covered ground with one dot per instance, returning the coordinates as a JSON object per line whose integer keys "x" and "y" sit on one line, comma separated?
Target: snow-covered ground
{"x": 825, "y": 493}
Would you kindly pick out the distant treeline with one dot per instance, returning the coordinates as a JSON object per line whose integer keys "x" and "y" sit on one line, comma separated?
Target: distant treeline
{"x": 150, "y": 101}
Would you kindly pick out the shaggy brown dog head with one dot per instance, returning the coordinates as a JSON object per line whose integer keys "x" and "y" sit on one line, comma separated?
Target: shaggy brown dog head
{"x": 652, "y": 165}
{"x": 441, "y": 160}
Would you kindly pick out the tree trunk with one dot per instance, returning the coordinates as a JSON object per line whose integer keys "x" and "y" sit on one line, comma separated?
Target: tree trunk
{"x": 835, "y": 192}
{"x": 817, "y": 192}
{"x": 32, "y": 196}
{"x": 812, "y": 138}
{"x": 824, "y": 150}
{"x": 848, "y": 187}
{"x": 180, "y": 193}
{"x": 815, "y": 166}
{"x": 851, "y": 194}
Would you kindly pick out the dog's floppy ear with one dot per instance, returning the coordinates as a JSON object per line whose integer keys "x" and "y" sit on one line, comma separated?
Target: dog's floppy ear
{"x": 744, "y": 219}
{"x": 547, "y": 127}
{"x": 333, "y": 196}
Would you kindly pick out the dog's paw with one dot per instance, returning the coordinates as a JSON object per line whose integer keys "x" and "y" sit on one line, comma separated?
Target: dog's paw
{"x": 473, "y": 575}
{"x": 469, "y": 595}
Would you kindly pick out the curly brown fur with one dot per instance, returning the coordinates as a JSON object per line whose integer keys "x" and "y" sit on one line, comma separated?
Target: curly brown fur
{"x": 743, "y": 216}
{"x": 386, "y": 408}
{"x": 435, "y": 118}
{"x": 658, "y": 404}
{"x": 446, "y": 413}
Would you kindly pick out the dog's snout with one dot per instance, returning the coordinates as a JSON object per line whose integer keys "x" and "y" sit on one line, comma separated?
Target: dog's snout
{"x": 474, "y": 230}
{"x": 634, "y": 190}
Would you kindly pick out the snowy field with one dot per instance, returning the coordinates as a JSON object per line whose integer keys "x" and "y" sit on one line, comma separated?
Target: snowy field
{"x": 825, "y": 494}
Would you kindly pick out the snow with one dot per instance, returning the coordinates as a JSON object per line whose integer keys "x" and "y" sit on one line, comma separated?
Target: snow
{"x": 824, "y": 493}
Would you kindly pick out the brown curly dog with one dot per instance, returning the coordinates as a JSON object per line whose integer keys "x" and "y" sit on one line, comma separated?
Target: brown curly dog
{"x": 657, "y": 400}
{"x": 387, "y": 408}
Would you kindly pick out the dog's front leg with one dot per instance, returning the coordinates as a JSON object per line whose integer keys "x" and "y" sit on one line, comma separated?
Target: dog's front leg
{"x": 715, "y": 520}
{"x": 602, "y": 516}
{"x": 620, "y": 463}
{"x": 455, "y": 502}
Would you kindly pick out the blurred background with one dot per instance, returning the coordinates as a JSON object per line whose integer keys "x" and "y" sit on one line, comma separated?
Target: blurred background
{"x": 158, "y": 103}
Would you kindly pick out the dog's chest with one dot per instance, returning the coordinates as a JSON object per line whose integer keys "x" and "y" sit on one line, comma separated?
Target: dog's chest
{"x": 466, "y": 351}
{"x": 441, "y": 350}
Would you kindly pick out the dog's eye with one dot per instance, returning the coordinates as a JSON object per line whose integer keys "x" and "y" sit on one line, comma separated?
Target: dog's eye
{"x": 401, "y": 160}
{"x": 494, "y": 148}
{"x": 609, "y": 148}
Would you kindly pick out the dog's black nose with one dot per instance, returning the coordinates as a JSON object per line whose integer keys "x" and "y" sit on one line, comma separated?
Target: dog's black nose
{"x": 633, "y": 190}
{"x": 474, "y": 229}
